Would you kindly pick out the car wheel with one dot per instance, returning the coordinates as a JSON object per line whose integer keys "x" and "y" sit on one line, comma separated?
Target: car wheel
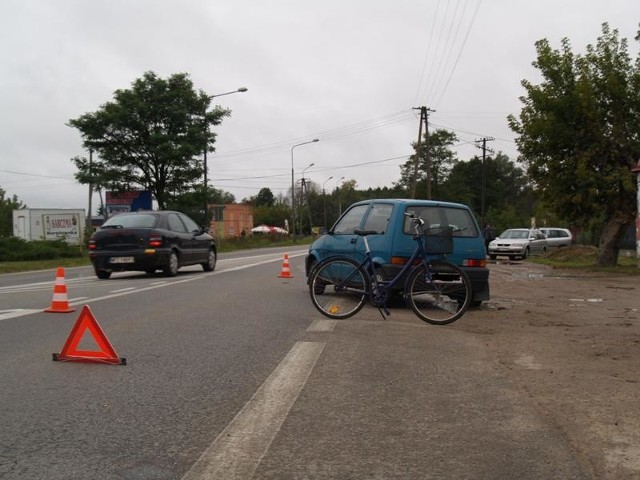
{"x": 210, "y": 264}
{"x": 171, "y": 270}
{"x": 103, "y": 274}
{"x": 525, "y": 254}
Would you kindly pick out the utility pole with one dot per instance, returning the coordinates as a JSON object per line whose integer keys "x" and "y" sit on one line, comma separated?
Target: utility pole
{"x": 424, "y": 118}
{"x": 482, "y": 143}
{"x": 304, "y": 198}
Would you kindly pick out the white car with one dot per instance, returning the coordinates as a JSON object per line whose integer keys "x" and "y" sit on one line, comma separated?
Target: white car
{"x": 558, "y": 237}
{"x": 518, "y": 243}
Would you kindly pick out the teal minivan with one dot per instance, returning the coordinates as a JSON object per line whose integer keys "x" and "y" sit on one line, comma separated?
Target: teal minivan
{"x": 392, "y": 246}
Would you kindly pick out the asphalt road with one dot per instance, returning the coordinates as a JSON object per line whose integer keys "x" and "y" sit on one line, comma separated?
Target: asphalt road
{"x": 234, "y": 375}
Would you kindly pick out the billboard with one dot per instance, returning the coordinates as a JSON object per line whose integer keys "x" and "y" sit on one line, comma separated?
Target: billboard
{"x": 131, "y": 201}
{"x": 49, "y": 224}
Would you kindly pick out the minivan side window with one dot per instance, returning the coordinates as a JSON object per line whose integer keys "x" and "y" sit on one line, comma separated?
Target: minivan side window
{"x": 378, "y": 218}
{"x": 351, "y": 220}
{"x": 458, "y": 218}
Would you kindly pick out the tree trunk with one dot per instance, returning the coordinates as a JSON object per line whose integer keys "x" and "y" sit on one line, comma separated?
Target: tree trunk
{"x": 608, "y": 249}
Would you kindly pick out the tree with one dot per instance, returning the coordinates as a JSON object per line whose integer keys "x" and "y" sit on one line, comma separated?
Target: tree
{"x": 264, "y": 198}
{"x": 150, "y": 136}
{"x": 192, "y": 203}
{"x": 578, "y": 134}
{"x": 506, "y": 186}
{"x": 442, "y": 160}
{"x": 7, "y": 206}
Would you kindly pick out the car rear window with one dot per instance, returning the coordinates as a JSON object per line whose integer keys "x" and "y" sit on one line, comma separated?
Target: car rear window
{"x": 459, "y": 219}
{"x": 130, "y": 221}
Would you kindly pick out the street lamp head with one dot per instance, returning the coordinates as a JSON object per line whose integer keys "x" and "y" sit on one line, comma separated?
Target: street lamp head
{"x": 315, "y": 140}
{"x": 241, "y": 89}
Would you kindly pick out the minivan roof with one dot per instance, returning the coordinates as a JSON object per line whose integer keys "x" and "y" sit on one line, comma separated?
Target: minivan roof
{"x": 412, "y": 201}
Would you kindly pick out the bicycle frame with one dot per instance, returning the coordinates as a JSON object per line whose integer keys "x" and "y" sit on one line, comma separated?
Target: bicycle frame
{"x": 367, "y": 263}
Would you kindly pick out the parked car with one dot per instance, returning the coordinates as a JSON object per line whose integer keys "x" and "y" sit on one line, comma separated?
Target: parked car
{"x": 148, "y": 241}
{"x": 518, "y": 243}
{"x": 558, "y": 237}
{"x": 393, "y": 245}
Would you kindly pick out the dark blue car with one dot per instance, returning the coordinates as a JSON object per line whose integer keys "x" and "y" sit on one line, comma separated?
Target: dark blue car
{"x": 393, "y": 245}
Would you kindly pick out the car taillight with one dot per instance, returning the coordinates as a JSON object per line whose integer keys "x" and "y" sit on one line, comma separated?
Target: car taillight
{"x": 471, "y": 262}
{"x": 92, "y": 244}
{"x": 155, "y": 242}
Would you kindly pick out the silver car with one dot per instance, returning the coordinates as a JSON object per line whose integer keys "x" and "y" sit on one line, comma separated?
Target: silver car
{"x": 558, "y": 237}
{"x": 518, "y": 243}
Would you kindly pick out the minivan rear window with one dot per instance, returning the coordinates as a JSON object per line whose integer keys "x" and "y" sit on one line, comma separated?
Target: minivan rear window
{"x": 460, "y": 220}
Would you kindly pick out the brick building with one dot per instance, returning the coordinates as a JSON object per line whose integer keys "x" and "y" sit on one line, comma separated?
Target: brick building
{"x": 228, "y": 221}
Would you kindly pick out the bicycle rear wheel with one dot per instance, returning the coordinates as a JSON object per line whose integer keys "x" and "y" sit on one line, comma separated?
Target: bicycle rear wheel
{"x": 441, "y": 295}
{"x": 338, "y": 287}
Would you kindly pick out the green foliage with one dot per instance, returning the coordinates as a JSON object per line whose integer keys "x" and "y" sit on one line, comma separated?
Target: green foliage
{"x": 506, "y": 187}
{"x": 264, "y": 198}
{"x": 14, "y": 249}
{"x": 578, "y": 133}
{"x": 7, "y": 206}
{"x": 271, "y": 215}
{"x": 150, "y": 136}
{"x": 442, "y": 160}
{"x": 192, "y": 203}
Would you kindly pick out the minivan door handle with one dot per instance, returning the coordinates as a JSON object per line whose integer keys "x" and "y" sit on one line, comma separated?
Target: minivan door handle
{"x": 353, "y": 240}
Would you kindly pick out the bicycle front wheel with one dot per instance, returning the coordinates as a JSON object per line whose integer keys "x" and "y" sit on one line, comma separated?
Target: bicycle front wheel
{"x": 338, "y": 287}
{"x": 440, "y": 295}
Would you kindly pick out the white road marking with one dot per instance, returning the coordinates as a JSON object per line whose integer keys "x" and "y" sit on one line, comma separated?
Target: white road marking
{"x": 124, "y": 290}
{"x": 238, "y": 450}
{"x": 322, "y": 326}
{"x": 17, "y": 312}
{"x": 78, "y": 299}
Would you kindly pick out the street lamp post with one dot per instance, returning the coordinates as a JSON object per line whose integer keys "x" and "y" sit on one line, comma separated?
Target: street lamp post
{"x": 338, "y": 196}
{"x": 324, "y": 200}
{"x": 204, "y": 159}
{"x": 304, "y": 191}
{"x": 293, "y": 187}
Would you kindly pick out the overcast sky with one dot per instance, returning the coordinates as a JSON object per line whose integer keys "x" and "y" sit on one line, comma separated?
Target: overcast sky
{"x": 347, "y": 72}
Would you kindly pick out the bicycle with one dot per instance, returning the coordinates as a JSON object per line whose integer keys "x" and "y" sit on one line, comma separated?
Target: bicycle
{"x": 438, "y": 291}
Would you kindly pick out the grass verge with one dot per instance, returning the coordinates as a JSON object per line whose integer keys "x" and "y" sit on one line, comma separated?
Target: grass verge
{"x": 583, "y": 257}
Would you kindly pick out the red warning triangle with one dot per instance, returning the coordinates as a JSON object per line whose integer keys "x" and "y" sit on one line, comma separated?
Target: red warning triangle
{"x": 70, "y": 352}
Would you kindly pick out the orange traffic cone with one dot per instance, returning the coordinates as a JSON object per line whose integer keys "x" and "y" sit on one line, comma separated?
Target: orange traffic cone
{"x": 60, "y": 303}
{"x": 285, "y": 273}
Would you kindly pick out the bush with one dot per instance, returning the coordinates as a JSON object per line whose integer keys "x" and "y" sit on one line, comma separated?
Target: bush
{"x": 14, "y": 249}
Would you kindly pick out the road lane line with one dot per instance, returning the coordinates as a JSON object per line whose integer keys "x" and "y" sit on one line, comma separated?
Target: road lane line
{"x": 236, "y": 453}
{"x": 18, "y": 312}
{"x": 322, "y": 326}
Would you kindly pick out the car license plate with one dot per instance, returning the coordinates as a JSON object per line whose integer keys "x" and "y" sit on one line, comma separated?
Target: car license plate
{"x": 122, "y": 260}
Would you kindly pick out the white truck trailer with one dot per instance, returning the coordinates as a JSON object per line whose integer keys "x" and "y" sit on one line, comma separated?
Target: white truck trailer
{"x": 50, "y": 224}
